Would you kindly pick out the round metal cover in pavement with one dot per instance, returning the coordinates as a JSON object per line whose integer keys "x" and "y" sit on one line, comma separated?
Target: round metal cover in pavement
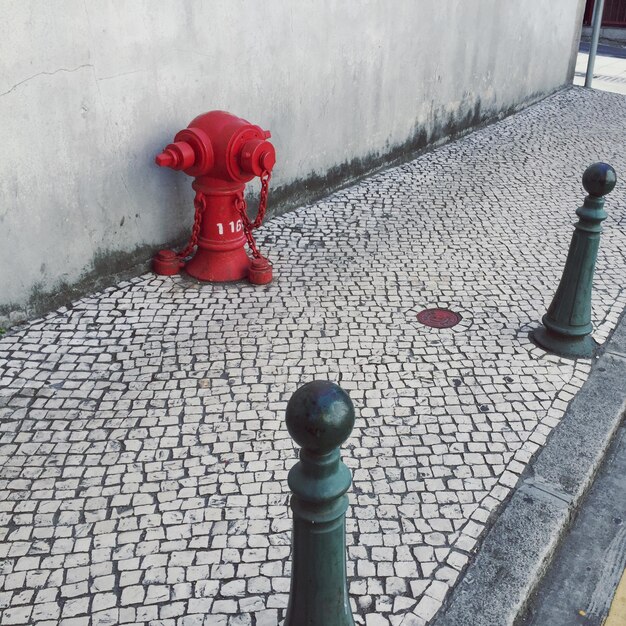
{"x": 438, "y": 318}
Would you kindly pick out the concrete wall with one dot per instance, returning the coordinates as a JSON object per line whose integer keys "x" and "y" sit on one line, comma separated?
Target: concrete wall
{"x": 91, "y": 90}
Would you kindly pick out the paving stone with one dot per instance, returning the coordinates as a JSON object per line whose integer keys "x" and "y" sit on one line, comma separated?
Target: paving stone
{"x": 143, "y": 450}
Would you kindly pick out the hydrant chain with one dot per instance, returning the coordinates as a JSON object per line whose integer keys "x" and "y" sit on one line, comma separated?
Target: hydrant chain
{"x": 199, "y": 204}
{"x": 265, "y": 186}
{"x": 249, "y": 226}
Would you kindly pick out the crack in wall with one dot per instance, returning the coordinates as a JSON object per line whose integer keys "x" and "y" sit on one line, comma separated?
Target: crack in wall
{"x": 61, "y": 69}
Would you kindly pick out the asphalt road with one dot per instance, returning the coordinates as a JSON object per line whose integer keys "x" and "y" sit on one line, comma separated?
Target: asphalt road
{"x": 618, "y": 52}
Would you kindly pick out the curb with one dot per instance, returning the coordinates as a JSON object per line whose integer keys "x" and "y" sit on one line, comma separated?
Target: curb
{"x": 517, "y": 550}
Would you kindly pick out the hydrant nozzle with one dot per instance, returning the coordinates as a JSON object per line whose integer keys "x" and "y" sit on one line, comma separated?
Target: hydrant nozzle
{"x": 178, "y": 156}
{"x": 165, "y": 159}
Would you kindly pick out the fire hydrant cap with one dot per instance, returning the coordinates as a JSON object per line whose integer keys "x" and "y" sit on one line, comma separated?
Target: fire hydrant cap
{"x": 178, "y": 155}
{"x": 257, "y": 156}
{"x": 268, "y": 160}
{"x": 166, "y": 263}
{"x": 260, "y": 272}
{"x": 166, "y": 255}
{"x": 165, "y": 159}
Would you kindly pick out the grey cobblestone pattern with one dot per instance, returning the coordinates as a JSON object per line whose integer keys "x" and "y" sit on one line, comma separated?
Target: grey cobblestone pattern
{"x": 143, "y": 447}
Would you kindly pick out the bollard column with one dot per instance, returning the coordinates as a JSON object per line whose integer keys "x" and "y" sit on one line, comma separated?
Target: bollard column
{"x": 567, "y": 326}
{"x": 596, "y": 24}
{"x": 319, "y": 417}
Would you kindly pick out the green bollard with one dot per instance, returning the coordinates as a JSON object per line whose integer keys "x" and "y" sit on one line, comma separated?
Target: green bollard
{"x": 567, "y": 324}
{"x": 320, "y": 417}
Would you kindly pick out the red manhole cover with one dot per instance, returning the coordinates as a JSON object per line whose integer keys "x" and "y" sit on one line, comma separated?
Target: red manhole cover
{"x": 438, "y": 318}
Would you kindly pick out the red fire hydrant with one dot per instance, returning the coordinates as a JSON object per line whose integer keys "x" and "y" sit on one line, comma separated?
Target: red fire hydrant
{"x": 222, "y": 152}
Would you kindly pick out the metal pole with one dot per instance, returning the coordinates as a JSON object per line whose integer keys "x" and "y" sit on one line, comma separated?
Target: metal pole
{"x": 567, "y": 326}
{"x": 320, "y": 417}
{"x": 598, "y": 9}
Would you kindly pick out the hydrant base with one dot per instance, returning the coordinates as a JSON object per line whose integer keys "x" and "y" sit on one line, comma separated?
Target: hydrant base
{"x": 219, "y": 267}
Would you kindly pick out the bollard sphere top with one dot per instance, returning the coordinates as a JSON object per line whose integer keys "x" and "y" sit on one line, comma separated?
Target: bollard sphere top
{"x": 320, "y": 416}
{"x": 599, "y": 179}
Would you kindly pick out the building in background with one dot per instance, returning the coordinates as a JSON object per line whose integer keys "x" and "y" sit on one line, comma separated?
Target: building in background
{"x": 613, "y": 20}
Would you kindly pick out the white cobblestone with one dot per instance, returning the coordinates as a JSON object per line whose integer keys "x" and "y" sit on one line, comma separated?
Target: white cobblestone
{"x": 143, "y": 450}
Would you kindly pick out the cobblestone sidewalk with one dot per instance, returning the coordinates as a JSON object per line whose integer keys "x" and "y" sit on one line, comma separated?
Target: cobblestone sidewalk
{"x": 143, "y": 447}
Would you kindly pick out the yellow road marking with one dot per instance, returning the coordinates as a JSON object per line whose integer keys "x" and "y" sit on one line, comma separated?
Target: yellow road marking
{"x": 617, "y": 614}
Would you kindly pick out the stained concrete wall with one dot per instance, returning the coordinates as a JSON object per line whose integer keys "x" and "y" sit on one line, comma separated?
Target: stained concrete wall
{"x": 90, "y": 91}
